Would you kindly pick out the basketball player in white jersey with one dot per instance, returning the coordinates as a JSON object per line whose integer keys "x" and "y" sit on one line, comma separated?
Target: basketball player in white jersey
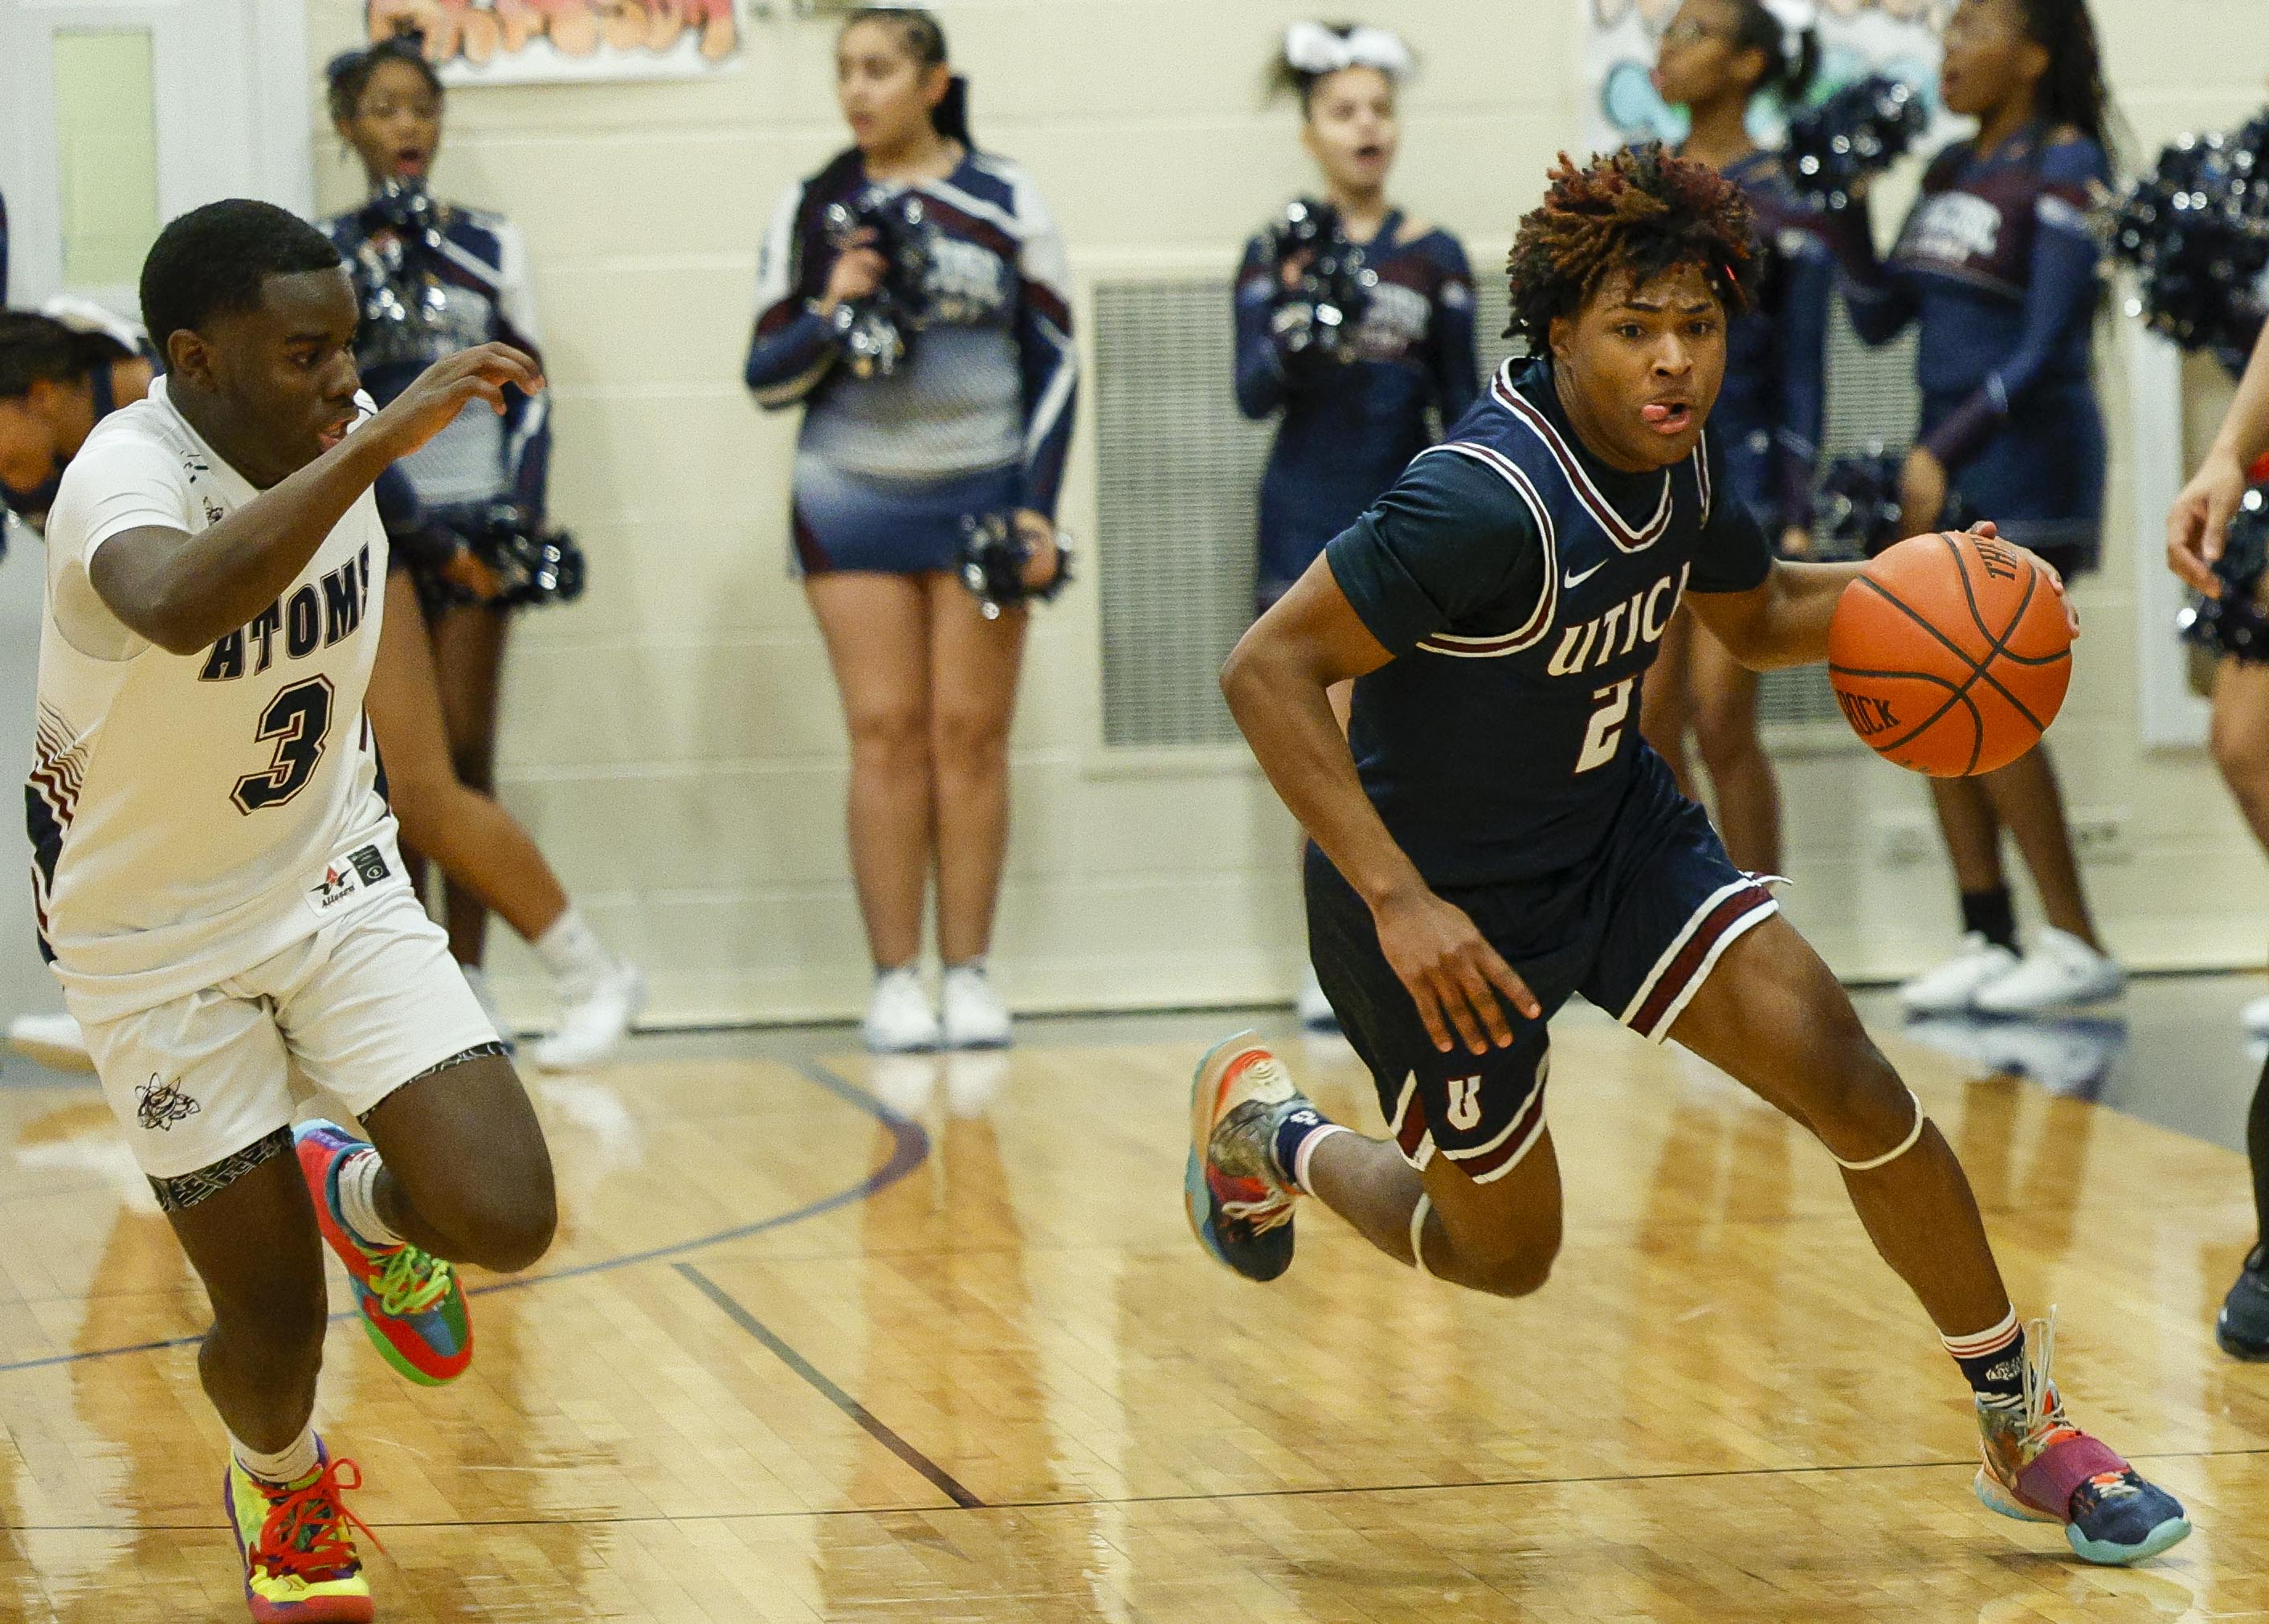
{"x": 215, "y": 866}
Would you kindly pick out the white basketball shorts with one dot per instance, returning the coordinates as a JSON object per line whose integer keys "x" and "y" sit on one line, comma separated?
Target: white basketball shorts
{"x": 363, "y": 1005}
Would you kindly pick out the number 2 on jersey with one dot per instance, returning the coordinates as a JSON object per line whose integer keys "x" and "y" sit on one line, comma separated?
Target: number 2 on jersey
{"x": 1607, "y": 730}
{"x": 298, "y": 719}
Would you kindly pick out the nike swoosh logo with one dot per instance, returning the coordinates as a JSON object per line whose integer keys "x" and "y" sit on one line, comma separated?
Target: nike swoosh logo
{"x": 1574, "y": 581}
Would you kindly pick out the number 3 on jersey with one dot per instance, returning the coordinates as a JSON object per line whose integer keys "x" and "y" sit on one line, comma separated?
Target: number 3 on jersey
{"x": 298, "y": 719}
{"x": 1607, "y": 730}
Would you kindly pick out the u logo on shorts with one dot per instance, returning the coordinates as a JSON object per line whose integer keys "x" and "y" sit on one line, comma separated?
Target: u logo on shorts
{"x": 1465, "y": 1113}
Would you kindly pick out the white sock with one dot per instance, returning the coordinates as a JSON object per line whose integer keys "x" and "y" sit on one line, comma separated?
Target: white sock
{"x": 295, "y": 1460}
{"x": 358, "y": 1200}
{"x": 571, "y": 952}
{"x": 968, "y": 967}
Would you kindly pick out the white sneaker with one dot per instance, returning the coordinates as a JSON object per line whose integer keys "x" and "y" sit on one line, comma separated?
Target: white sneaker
{"x": 2255, "y": 1017}
{"x": 2058, "y": 969}
{"x": 1315, "y": 1011}
{"x": 53, "y": 1040}
{"x": 1953, "y": 986}
{"x": 595, "y": 1017}
{"x": 975, "y": 1017}
{"x": 899, "y": 1020}
{"x": 2071, "y": 1056}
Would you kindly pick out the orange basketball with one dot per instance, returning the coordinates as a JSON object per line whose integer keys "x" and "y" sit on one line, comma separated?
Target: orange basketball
{"x": 1950, "y": 655}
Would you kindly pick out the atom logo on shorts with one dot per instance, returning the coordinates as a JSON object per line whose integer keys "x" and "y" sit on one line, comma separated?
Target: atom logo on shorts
{"x": 160, "y": 1104}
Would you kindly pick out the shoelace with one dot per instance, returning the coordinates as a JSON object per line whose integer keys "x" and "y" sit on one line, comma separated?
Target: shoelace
{"x": 412, "y": 1281}
{"x": 1270, "y": 1213}
{"x": 301, "y": 1537}
{"x": 2043, "y": 1405}
{"x": 2108, "y": 1486}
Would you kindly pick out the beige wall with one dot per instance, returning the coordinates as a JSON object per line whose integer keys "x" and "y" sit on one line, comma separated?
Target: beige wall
{"x": 674, "y": 739}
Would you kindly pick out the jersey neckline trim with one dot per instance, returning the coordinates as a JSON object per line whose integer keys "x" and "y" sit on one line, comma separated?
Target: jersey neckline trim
{"x": 1619, "y": 529}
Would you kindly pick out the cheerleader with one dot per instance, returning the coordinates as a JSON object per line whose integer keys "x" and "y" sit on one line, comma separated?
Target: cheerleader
{"x": 2195, "y": 534}
{"x": 56, "y": 382}
{"x": 438, "y": 278}
{"x": 62, "y": 371}
{"x": 1717, "y": 58}
{"x": 1350, "y": 420}
{"x": 1997, "y": 268}
{"x": 972, "y": 422}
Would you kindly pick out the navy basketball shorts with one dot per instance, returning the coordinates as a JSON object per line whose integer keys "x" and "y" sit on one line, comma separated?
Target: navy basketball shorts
{"x": 1636, "y": 931}
{"x": 842, "y": 520}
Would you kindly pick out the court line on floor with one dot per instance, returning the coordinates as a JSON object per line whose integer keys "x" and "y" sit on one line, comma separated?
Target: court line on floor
{"x": 876, "y": 1427}
{"x": 909, "y": 1148}
{"x": 1699, "y": 1474}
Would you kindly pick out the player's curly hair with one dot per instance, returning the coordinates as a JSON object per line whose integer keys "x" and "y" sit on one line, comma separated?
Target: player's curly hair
{"x": 1638, "y": 210}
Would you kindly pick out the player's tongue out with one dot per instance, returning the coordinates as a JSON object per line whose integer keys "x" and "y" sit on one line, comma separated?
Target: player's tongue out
{"x": 1668, "y": 416}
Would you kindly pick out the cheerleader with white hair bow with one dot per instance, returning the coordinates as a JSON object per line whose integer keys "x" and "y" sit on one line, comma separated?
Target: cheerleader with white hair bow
{"x": 1366, "y": 363}
{"x": 1717, "y": 58}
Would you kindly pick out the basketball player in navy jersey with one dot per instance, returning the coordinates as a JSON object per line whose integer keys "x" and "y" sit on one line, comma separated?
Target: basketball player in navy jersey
{"x": 1493, "y": 835}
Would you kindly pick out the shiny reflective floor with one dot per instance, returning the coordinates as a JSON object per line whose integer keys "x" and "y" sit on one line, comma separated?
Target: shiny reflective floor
{"x": 831, "y": 1339}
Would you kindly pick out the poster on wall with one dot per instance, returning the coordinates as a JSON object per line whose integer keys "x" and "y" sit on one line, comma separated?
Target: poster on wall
{"x": 567, "y": 41}
{"x": 1857, "y": 38}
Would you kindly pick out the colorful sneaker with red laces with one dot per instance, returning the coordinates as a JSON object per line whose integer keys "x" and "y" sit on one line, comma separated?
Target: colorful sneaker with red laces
{"x": 1239, "y": 1206}
{"x": 299, "y": 1560}
{"x": 2040, "y": 1468}
{"x": 412, "y": 1306}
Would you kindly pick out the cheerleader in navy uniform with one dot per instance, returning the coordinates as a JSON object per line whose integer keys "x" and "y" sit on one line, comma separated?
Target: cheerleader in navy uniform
{"x": 972, "y": 421}
{"x": 1717, "y": 58}
{"x": 2197, "y": 533}
{"x": 1354, "y": 412}
{"x": 436, "y": 278}
{"x": 1997, "y": 267}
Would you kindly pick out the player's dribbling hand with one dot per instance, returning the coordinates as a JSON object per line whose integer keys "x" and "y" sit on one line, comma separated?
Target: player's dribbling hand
{"x": 2199, "y": 521}
{"x": 432, "y": 402}
{"x": 1460, "y": 982}
{"x": 1987, "y": 528}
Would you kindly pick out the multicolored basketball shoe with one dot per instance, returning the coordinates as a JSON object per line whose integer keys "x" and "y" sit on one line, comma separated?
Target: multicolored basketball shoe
{"x": 412, "y": 1306}
{"x": 299, "y": 1560}
{"x": 2040, "y": 1468}
{"x": 1239, "y": 1206}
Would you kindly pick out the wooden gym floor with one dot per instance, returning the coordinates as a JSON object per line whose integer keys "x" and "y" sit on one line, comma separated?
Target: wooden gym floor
{"x": 826, "y": 1338}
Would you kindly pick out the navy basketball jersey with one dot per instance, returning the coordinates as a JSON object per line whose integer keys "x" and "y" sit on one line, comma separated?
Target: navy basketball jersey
{"x": 1523, "y": 587}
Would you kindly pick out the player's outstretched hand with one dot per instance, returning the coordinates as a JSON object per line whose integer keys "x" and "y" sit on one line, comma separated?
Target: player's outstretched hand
{"x": 447, "y": 387}
{"x": 2199, "y": 521}
{"x": 1460, "y": 982}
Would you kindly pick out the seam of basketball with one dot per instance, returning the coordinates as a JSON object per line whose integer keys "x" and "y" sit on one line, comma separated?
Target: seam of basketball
{"x": 1996, "y": 644}
{"x": 1958, "y": 694}
{"x": 1969, "y": 592}
{"x": 1977, "y": 673}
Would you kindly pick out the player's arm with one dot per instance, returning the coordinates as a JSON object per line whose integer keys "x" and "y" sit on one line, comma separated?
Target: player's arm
{"x": 1767, "y": 612}
{"x": 182, "y": 591}
{"x": 1277, "y": 682}
{"x": 2201, "y": 515}
{"x": 1783, "y": 620}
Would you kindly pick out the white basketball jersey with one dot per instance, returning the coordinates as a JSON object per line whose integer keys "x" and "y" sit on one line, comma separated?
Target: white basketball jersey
{"x": 193, "y": 814}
